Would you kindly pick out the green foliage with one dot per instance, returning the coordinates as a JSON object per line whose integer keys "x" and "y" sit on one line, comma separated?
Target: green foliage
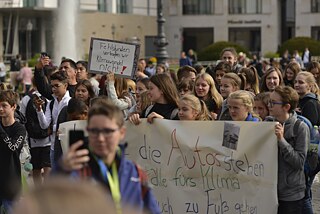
{"x": 300, "y": 43}
{"x": 271, "y": 55}
{"x": 212, "y": 52}
{"x": 33, "y": 61}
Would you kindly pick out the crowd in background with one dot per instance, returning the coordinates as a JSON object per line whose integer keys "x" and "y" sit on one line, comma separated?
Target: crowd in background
{"x": 233, "y": 89}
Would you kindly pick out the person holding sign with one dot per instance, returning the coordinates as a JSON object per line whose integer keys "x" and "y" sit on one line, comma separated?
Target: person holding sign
{"x": 105, "y": 161}
{"x": 117, "y": 90}
{"x": 292, "y": 149}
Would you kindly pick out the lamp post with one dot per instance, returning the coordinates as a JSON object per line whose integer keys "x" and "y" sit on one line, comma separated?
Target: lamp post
{"x": 161, "y": 41}
{"x": 28, "y": 39}
{"x": 113, "y": 30}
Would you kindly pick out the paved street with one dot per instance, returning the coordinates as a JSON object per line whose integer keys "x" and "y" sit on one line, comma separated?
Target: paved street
{"x": 316, "y": 194}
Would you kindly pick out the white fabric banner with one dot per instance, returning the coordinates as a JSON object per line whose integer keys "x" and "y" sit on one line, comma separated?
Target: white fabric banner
{"x": 208, "y": 167}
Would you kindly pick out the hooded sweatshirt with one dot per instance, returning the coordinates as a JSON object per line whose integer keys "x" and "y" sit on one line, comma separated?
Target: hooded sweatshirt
{"x": 11, "y": 142}
{"x": 291, "y": 157}
{"x": 309, "y": 106}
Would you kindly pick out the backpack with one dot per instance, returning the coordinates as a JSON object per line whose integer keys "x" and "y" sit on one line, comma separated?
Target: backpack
{"x": 143, "y": 181}
{"x": 32, "y": 126}
{"x": 312, "y": 154}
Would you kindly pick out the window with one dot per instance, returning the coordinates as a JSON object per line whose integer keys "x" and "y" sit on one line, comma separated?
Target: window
{"x": 29, "y": 3}
{"x": 247, "y": 37}
{"x": 315, "y": 6}
{"x": 102, "y": 5}
{"x": 197, "y": 38}
{"x": 245, "y": 6}
{"x": 200, "y": 7}
{"x": 122, "y": 6}
{"x": 315, "y": 33}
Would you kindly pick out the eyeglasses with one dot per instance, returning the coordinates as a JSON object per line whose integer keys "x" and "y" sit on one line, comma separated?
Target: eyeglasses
{"x": 106, "y": 132}
{"x": 56, "y": 85}
{"x": 272, "y": 103}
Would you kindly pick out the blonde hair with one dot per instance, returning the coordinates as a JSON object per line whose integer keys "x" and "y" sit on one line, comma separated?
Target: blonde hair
{"x": 245, "y": 96}
{"x": 131, "y": 85}
{"x": 198, "y": 105}
{"x": 144, "y": 101}
{"x": 309, "y": 78}
{"x": 3, "y": 87}
{"x": 213, "y": 92}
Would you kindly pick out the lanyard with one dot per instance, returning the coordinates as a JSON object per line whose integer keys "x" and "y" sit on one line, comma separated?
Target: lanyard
{"x": 113, "y": 181}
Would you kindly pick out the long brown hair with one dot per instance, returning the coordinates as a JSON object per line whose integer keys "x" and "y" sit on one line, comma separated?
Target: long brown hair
{"x": 252, "y": 78}
{"x": 166, "y": 85}
{"x": 121, "y": 86}
{"x": 264, "y": 87}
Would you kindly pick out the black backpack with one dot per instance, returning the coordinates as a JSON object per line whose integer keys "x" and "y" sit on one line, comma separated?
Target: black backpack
{"x": 32, "y": 126}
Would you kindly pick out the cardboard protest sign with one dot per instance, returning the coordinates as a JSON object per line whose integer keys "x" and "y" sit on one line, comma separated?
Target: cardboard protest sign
{"x": 208, "y": 167}
{"x": 113, "y": 56}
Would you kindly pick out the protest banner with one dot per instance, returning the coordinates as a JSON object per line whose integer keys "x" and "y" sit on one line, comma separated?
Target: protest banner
{"x": 208, "y": 167}
{"x": 204, "y": 166}
{"x": 113, "y": 56}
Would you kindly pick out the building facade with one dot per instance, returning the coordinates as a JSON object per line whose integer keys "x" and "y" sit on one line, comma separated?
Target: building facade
{"x": 260, "y": 26}
{"x": 29, "y": 26}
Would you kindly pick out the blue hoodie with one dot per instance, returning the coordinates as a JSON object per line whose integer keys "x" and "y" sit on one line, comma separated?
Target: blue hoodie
{"x": 134, "y": 190}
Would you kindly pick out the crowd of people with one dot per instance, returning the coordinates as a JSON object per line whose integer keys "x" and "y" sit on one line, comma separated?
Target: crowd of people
{"x": 231, "y": 90}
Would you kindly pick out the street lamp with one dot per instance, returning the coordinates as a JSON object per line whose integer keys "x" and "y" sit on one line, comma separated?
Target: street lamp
{"x": 28, "y": 39}
{"x": 161, "y": 41}
{"x": 113, "y": 30}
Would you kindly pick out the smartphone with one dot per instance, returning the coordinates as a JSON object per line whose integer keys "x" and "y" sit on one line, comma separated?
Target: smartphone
{"x": 44, "y": 54}
{"x": 37, "y": 94}
{"x": 76, "y": 135}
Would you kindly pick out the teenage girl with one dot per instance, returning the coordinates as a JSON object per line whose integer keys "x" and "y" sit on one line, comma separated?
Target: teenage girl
{"x": 230, "y": 82}
{"x": 271, "y": 79}
{"x": 164, "y": 96}
{"x": 191, "y": 108}
{"x": 240, "y": 104}
{"x": 205, "y": 90}
{"x": 230, "y": 56}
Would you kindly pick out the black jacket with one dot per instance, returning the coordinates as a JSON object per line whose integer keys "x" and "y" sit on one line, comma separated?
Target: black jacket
{"x": 11, "y": 142}
{"x": 310, "y": 108}
{"x": 44, "y": 86}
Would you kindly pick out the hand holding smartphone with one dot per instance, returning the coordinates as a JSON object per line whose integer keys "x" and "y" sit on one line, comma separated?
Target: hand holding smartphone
{"x": 75, "y": 136}
{"x": 37, "y": 94}
{"x": 37, "y": 100}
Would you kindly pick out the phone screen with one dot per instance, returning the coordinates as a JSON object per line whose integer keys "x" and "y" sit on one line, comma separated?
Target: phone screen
{"x": 76, "y": 135}
{"x": 44, "y": 54}
{"x": 37, "y": 94}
